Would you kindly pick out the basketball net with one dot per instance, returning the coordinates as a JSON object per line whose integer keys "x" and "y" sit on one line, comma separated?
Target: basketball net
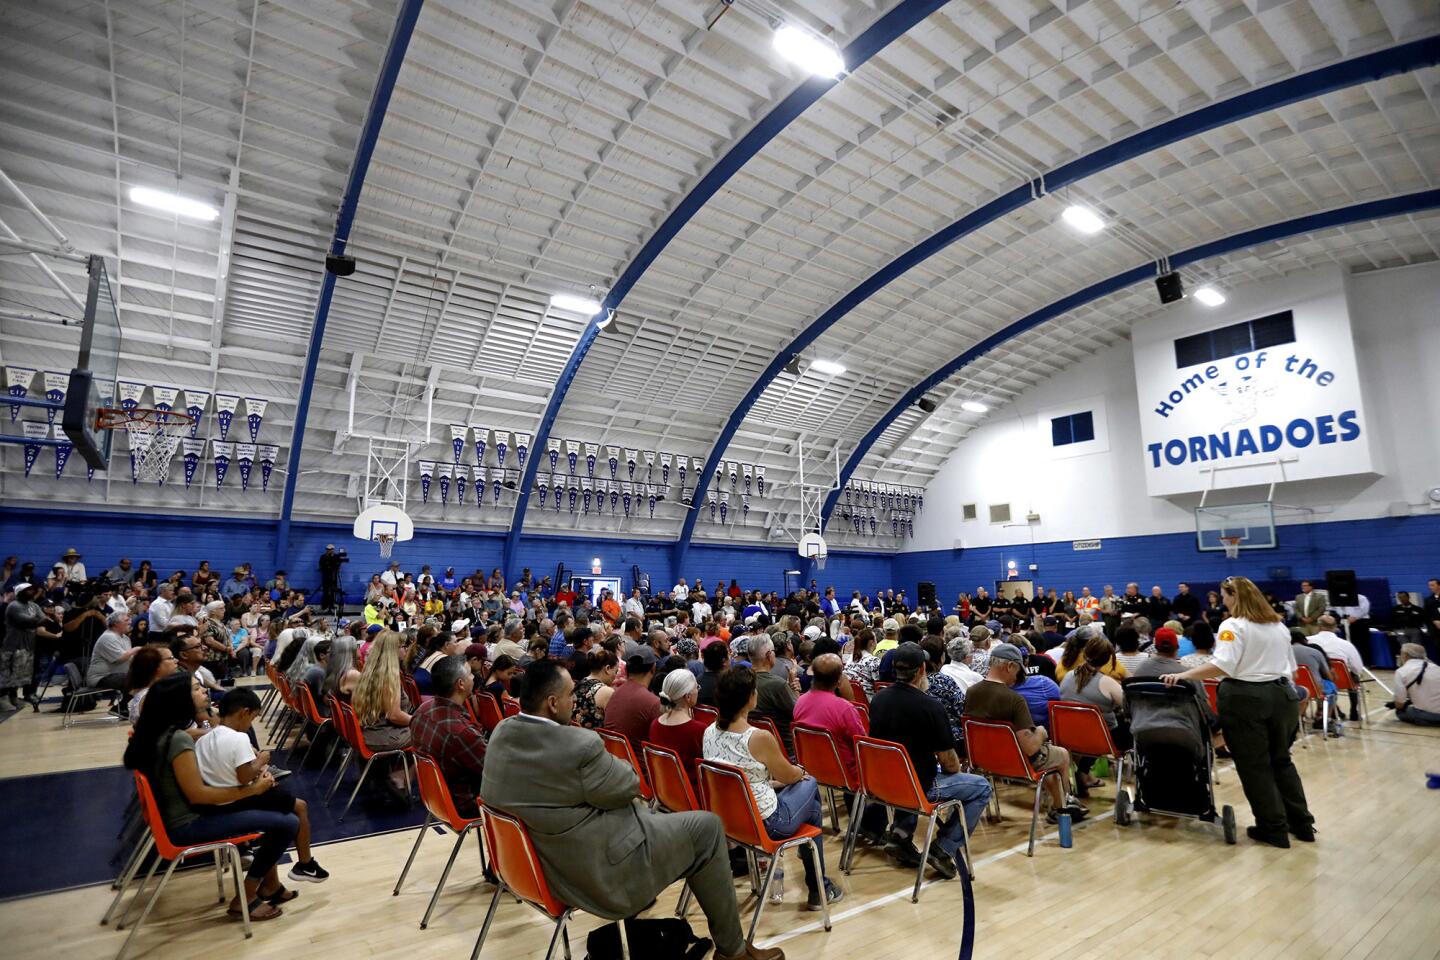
{"x": 154, "y": 436}
{"x": 1232, "y": 546}
{"x": 387, "y": 543}
{"x": 820, "y": 561}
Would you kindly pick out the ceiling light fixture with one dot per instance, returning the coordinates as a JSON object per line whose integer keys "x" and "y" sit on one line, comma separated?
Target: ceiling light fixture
{"x": 1082, "y": 218}
{"x": 1209, "y": 296}
{"x": 808, "y": 51}
{"x": 974, "y": 406}
{"x": 173, "y": 203}
{"x": 827, "y": 367}
{"x": 575, "y": 304}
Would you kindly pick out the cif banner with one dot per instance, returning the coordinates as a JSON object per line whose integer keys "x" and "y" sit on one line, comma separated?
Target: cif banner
{"x": 34, "y": 432}
{"x": 17, "y": 380}
{"x": 1263, "y": 389}
{"x": 223, "y": 453}
{"x": 760, "y": 479}
{"x": 447, "y": 471}
{"x": 650, "y": 466}
{"x": 130, "y": 394}
{"x": 592, "y": 453}
{"x": 457, "y": 440}
{"x": 195, "y": 403}
{"x": 462, "y": 478}
{"x": 225, "y": 406}
{"x": 482, "y": 476}
{"x": 542, "y": 484}
{"x": 268, "y": 453}
{"x": 55, "y": 386}
{"x": 630, "y": 462}
{"x": 62, "y": 451}
{"x": 245, "y": 460}
{"x": 427, "y": 476}
{"x": 502, "y": 444}
{"x": 482, "y": 436}
{"x": 254, "y": 415}
{"x": 522, "y": 449}
{"x": 572, "y": 454}
{"x": 612, "y": 458}
{"x": 552, "y": 450}
{"x": 192, "y": 451}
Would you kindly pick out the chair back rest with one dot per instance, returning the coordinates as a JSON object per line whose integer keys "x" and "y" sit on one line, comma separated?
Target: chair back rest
{"x": 309, "y": 709}
{"x": 727, "y": 795}
{"x": 286, "y": 694}
{"x": 668, "y": 778}
{"x": 150, "y": 810}
{"x": 1212, "y": 694}
{"x": 995, "y": 749}
{"x": 706, "y": 715}
{"x": 817, "y": 751}
{"x": 1340, "y": 673}
{"x": 887, "y": 774}
{"x": 880, "y": 685}
{"x": 514, "y": 858}
{"x": 857, "y": 693}
{"x": 435, "y": 793}
{"x": 509, "y": 707}
{"x": 768, "y": 725}
{"x": 864, "y": 711}
{"x": 349, "y": 726}
{"x": 618, "y": 746}
{"x": 272, "y": 673}
{"x": 1081, "y": 729}
{"x": 411, "y": 690}
{"x": 485, "y": 710}
{"x": 1305, "y": 680}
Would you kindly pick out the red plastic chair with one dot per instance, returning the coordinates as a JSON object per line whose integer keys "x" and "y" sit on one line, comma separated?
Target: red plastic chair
{"x": 225, "y": 851}
{"x": 1212, "y": 693}
{"x": 887, "y": 776}
{"x": 881, "y": 685}
{"x": 411, "y": 690}
{"x": 509, "y": 706}
{"x": 673, "y": 792}
{"x": 310, "y": 712}
{"x": 864, "y": 711}
{"x": 1306, "y": 681}
{"x": 727, "y": 795}
{"x": 817, "y": 751}
{"x": 706, "y": 714}
{"x": 439, "y": 806}
{"x": 1081, "y": 729}
{"x": 518, "y": 866}
{"x": 1344, "y": 681}
{"x": 485, "y": 709}
{"x": 618, "y": 746}
{"x": 348, "y": 725}
{"x": 995, "y": 751}
{"x": 857, "y": 694}
{"x": 769, "y": 725}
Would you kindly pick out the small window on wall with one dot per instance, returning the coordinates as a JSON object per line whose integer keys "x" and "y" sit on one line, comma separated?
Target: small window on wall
{"x": 1072, "y": 428}
{"x": 999, "y": 513}
{"x": 967, "y": 511}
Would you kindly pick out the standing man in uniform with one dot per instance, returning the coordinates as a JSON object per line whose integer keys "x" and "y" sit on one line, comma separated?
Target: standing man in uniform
{"x": 330, "y": 596}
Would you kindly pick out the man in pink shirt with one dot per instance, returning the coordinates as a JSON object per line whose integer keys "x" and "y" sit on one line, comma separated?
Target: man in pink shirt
{"x": 821, "y": 706}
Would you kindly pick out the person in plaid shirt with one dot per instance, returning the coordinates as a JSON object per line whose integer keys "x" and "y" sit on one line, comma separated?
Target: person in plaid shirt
{"x": 443, "y": 730}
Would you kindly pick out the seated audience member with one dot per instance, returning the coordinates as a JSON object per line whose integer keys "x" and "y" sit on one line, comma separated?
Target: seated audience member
{"x": 227, "y": 759}
{"x": 1417, "y": 687}
{"x": 785, "y": 796}
{"x": 904, "y": 714}
{"x": 443, "y": 730}
{"x": 1037, "y": 690}
{"x": 715, "y": 657}
{"x": 149, "y": 664}
{"x": 1127, "y": 646}
{"x": 864, "y": 666}
{"x": 380, "y": 704}
{"x": 1184, "y": 647}
{"x": 1142, "y": 626}
{"x": 993, "y": 699}
{"x": 502, "y": 677}
{"x": 1202, "y": 639}
{"x": 891, "y": 638}
{"x": 1035, "y": 661}
{"x": 941, "y": 688}
{"x": 1086, "y": 684}
{"x": 190, "y": 653}
{"x": 578, "y": 803}
{"x": 632, "y": 706}
{"x": 341, "y": 674}
{"x": 1312, "y": 657}
{"x": 823, "y": 707}
{"x": 110, "y": 657}
{"x": 1164, "y": 657}
{"x": 537, "y": 649}
{"x": 164, "y": 750}
{"x": 439, "y": 644}
{"x": 958, "y": 669}
{"x": 676, "y": 727}
{"x": 980, "y": 641}
{"x": 1341, "y": 649}
{"x": 594, "y": 690}
{"x": 775, "y": 699}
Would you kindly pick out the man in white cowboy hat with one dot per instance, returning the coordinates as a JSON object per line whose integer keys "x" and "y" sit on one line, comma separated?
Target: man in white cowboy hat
{"x": 74, "y": 567}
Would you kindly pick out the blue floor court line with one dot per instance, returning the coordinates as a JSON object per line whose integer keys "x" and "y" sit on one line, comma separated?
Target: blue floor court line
{"x": 61, "y": 830}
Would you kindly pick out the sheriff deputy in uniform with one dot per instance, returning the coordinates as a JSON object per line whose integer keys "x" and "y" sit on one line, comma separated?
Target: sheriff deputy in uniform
{"x": 1259, "y": 712}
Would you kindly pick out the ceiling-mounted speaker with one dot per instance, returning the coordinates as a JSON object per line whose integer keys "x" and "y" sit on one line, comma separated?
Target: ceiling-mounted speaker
{"x": 341, "y": 266}
{"x": 793, "y": 367}
{"x": 1169, "y": 287}
{"x": 926, "y": 404}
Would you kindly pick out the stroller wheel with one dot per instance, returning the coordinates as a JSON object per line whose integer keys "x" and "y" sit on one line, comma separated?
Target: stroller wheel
{"x": 1227, "y": 821}
{"x": 1122, "y": 807}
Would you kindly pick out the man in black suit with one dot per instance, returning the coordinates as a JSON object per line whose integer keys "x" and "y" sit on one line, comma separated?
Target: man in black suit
{"x": 1432, "y": 616}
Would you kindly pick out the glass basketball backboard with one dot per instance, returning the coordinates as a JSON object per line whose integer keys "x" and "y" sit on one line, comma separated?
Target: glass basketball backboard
{"x": 1252, "y": 523}
{"x": 92, "y": 382}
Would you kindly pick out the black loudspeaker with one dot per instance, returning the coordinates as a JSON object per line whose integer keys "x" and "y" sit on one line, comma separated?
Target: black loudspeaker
{"x": 341, "y": 266}
{"x": 1169, "y": 287}
{"x": 1340, "y": 585}
{"x": 927, "y": 594}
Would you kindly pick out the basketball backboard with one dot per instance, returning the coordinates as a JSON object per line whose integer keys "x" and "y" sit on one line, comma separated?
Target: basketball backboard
{"x": 92, "y": 381}
{"x": 1252, "y": 523}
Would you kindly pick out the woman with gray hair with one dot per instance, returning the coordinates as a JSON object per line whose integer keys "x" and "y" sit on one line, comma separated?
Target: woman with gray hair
{"x": 341, "y": 671}
{"x": 959, "y": 649}
{"x": 676, "y": 728}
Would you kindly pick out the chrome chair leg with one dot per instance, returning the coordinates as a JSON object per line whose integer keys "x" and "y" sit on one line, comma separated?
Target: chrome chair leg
{"x": 489, "y": 918}
{"x": 353, "y": 793}
{"x": 434, "y": 898}
{"x": 424, "y": 829}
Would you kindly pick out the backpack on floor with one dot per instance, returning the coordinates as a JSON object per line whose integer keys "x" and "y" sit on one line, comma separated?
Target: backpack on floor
{"x": 669, "y": 939}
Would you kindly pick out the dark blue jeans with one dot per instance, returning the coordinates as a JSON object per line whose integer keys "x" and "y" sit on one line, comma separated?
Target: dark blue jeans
{"x": 277, "y": 832}
{"x": 799, "y": 804}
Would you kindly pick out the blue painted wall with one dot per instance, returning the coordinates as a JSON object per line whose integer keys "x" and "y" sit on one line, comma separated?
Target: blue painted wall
{"x": 1401, "y": 552}
{"x": 179, "y": 543}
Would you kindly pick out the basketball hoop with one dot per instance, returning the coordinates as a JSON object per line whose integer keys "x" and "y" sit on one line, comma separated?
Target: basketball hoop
{"x": 154, "y": 436}
{"x": 1232, "y": 546}
{"x": 387, "y": 543}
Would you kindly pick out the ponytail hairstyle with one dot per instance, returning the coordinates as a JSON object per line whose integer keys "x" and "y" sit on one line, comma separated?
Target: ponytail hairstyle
{"x": 1073, "y": 648}
{"x": 732, "y": 694}
{"x": 1248, "y": 603}
{"x": 1098, "y": 653}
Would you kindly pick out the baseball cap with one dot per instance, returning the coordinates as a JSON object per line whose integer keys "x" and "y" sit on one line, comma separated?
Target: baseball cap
{"x": 910, "y": 657}
{"x": 22, "y": 587}
{"x": 1052, "y": 621}
{"x": 1007, "y": 651}
{"x": 641, "y": 661}
{"x": 891, "y": 625}
{"x": 475, "y": 651}
{"x": 813, "y": 632}
{"x": 373, "y": 629}
{"x": 1166, "y": 641}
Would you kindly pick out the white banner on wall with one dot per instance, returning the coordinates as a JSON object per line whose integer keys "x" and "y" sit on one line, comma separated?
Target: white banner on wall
{"x": 1263, "y": 389}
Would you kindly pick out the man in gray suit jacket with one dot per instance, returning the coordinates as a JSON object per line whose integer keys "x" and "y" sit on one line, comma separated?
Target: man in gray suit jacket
{"x": 603, "y": 852}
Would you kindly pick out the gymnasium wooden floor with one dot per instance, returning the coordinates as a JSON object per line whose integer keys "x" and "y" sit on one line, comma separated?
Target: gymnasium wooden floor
{"x": 1163, "y": 888}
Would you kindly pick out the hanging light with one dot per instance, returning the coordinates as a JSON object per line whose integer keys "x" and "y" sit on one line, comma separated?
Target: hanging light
{"x": 974, "y": 406}
{"x": 808, "y": 51}
{"x": 1209, "y": 296}
{"x": 828, "y": 367}
{"x": 1082, "y": 218}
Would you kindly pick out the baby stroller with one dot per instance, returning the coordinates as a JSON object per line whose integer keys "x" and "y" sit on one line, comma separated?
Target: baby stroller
{"x": 1174, "y": 758}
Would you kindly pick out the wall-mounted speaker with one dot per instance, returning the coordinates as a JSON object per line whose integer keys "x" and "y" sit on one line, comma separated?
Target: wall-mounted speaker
{"x": 1169, "y": 287}
{"x": 1340, "y": 584}
{"x": 927, "y": 594}
{"x": 341, "y": 266}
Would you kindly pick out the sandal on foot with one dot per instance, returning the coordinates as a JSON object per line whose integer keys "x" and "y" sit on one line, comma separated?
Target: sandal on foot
{"x": 260, "y": 911}
{"x": 283, "y": 895}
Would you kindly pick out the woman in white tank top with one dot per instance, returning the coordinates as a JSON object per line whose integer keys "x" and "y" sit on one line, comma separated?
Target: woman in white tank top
{"x": 785, "y": 796}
